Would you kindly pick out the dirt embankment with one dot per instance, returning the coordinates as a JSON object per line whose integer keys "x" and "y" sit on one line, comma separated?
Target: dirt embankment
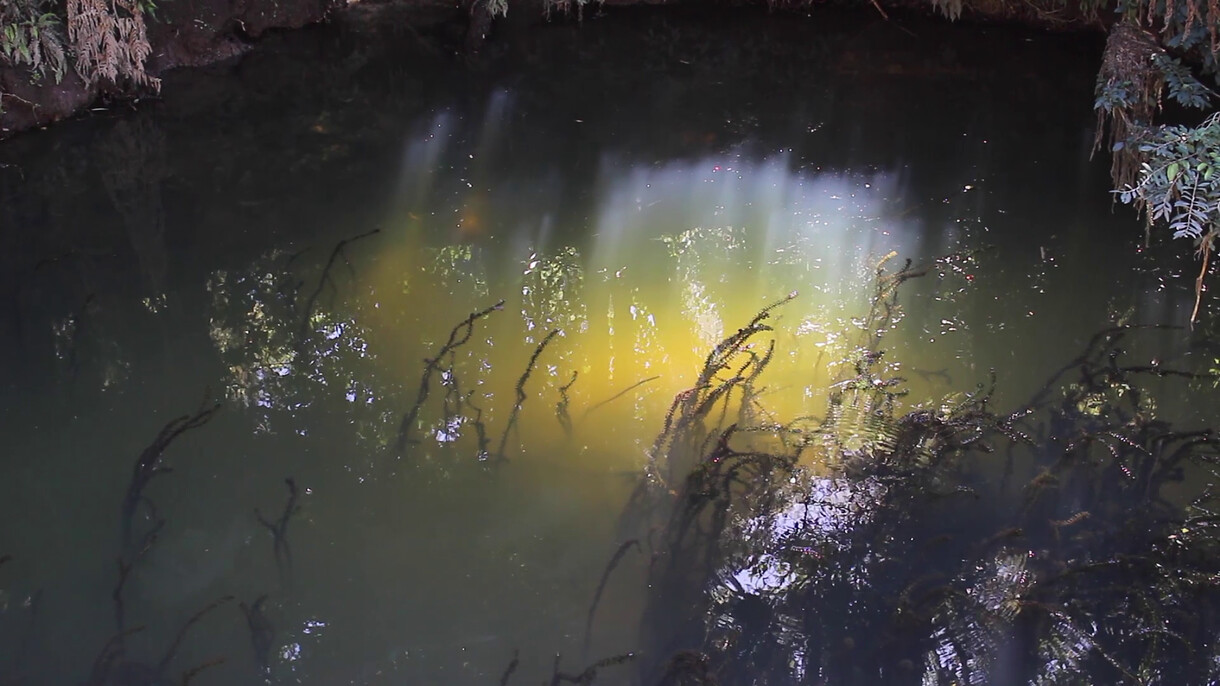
{"x": 184, "y": 33}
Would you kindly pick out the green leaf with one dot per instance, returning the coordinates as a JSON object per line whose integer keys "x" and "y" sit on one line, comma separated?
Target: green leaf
{"x": 1172, "y": 171}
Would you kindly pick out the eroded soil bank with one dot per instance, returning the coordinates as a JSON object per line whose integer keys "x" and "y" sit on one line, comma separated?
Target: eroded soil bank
{"x": 192, "y": 33}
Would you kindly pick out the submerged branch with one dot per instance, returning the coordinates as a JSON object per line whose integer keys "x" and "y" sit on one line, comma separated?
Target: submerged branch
{"x": 262, "y": 633}
{"x": 512, "y": 667}
{"x": 680, "y": 432}
{"x": 1089, "y": 358}
{"x": 601, "y": 587}
{"x": 323, "y": 281}
{"x": 620, "y": 394}
{"x": 186, "y": 627}
{"x": 512, "y": 417}
{"x": 480, "y": 429}
{"x": 589, "y": 674}
{"x": 561, "y": 407}
{"x": 149, "y": 464}
{"x": 193, "y": 672}
{"x": 112, "y": 651}
{"x": 279, "y": 533}
{"x": 457, "y": 338}
{"x": 125, "y": 567}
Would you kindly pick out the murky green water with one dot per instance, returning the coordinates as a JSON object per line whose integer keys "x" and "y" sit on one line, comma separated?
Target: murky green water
{"x": 297, "y": 237}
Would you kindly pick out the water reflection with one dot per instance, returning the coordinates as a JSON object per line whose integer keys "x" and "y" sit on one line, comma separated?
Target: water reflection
{"x": 283, "y": 350}
{"x": 643, "y": 295}
{"x": 921, "y": 554}
{"x": 133, "y": 167}
{"x": 451, "y": 339}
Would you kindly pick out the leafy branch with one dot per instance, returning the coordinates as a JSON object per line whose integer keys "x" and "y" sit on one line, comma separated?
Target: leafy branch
{"x": 30, "y": 35}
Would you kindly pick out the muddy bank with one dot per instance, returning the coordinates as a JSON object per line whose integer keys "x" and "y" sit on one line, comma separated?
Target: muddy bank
{"x": 191, "y": 33}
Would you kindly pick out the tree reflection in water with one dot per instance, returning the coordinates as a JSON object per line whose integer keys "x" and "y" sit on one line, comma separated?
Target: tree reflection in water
{"x": 948, "y": 543}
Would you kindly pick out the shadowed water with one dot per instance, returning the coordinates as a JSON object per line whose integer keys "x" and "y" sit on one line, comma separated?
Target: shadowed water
{"x": 445, "y": 308}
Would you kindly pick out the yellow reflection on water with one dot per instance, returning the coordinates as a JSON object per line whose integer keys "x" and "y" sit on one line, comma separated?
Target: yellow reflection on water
{"x": 675, "y": 258}
{"x": 602, "y": 323}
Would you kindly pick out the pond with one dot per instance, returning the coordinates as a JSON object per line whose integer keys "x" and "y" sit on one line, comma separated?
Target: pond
{"x": 700, "y": 343}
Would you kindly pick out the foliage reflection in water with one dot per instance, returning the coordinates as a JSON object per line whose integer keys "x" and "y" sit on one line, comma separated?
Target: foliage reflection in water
{"x": 943, "y": 543}
{"x": 451, "y": 339}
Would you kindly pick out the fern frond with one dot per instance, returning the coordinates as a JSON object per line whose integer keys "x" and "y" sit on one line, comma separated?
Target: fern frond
{"x": 111, "y": 42}
{"x": 30, "y": 36}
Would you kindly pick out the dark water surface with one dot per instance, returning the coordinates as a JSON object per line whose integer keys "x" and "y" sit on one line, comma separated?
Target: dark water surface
{"x": 295, "y": 237}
